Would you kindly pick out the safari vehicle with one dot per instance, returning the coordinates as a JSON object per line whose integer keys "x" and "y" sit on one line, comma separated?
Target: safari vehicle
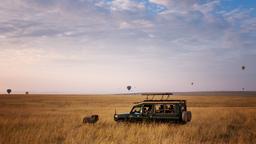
{"x": 161, "y": 110}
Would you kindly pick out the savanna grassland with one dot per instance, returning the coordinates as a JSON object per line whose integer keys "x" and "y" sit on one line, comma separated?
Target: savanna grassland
{"x": 47, "y": 119}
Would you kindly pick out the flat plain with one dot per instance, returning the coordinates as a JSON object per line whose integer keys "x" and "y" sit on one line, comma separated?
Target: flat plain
{"x": 46, "y": 119}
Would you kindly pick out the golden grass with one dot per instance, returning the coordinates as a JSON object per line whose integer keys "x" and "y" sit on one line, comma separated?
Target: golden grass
{"x": 58, "y": 119}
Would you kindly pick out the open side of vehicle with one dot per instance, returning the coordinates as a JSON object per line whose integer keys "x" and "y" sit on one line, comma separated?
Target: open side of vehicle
{"x": 157, "y": 110}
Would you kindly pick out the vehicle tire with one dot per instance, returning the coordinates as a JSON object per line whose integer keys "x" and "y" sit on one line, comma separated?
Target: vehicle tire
{"x": 184, "y": 116}
{"x": 189, "y": 115}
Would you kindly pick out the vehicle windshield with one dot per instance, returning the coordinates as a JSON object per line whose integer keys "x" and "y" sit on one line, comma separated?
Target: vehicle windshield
{"x": 136, "y": 109}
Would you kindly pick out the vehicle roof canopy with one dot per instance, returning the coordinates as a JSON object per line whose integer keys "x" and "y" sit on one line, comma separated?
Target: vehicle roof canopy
{"x": 164, "y": 95}
{"x": 163, "y": 100}
{"x": 157, "y": 93}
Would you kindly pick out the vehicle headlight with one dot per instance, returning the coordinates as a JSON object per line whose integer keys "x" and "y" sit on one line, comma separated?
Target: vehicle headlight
{"x": 116, "y": 116}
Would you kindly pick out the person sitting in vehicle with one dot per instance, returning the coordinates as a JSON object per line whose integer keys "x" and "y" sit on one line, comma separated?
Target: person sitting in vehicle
{"x": 150, "y": 109}
{"x": 145, "y": 110}
{"x": 161, "y": 109}
{"x": 171, "y": 109}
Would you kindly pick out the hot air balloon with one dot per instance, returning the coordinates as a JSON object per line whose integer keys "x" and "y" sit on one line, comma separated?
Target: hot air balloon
{"x": 129, "y": 88}
{"x": 9, "y": 91}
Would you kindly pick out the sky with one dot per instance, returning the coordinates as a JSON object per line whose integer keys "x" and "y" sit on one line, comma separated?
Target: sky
{"x": 101, "y": 46}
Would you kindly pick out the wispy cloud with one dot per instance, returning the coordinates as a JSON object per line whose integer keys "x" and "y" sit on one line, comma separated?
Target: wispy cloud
{"x": 161, "y": 2}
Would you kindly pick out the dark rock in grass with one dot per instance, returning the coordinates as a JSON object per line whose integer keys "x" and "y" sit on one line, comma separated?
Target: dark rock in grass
{"x": 91, "y": 119}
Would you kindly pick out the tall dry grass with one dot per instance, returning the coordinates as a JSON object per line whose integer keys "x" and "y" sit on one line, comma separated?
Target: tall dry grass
{"x": 58, "y": 119}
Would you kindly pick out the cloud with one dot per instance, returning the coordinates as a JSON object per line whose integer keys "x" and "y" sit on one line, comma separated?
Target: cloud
{"x": 120, "y": 5}
{"x": 160, "y": 2}
{"x": 88, "y": 20}
{"x": 206, "y": 8}
{"x": 181, "y": 20}
{"x": 136, "y": 24}
{"x": 125, "y": 5}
